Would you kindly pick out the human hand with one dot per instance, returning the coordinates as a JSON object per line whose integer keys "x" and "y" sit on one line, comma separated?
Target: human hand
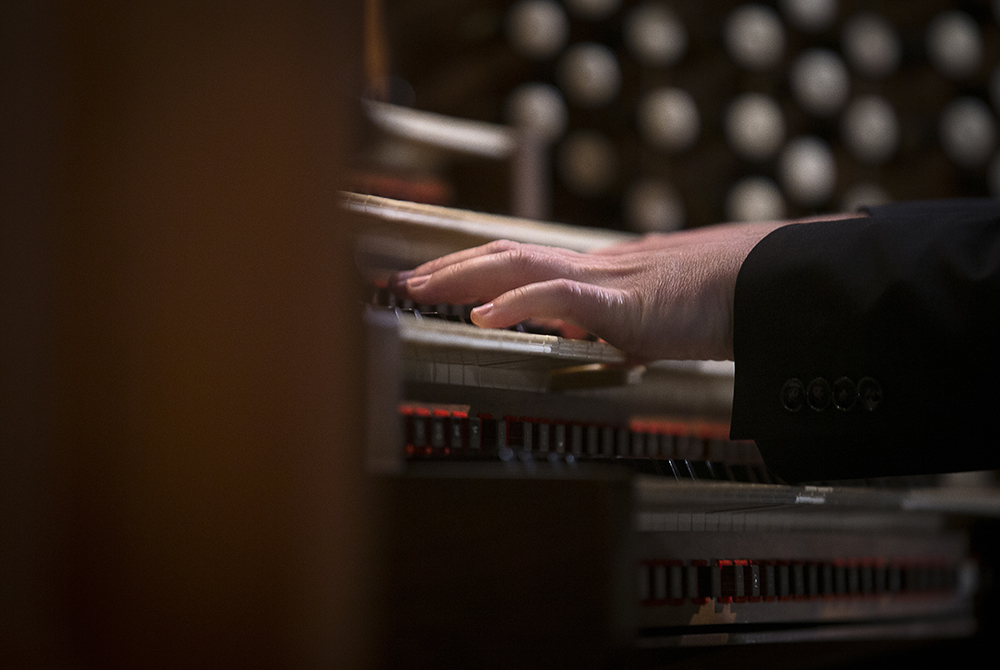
{"x": 664, "y": 296}
{"x": 719, "y": 232}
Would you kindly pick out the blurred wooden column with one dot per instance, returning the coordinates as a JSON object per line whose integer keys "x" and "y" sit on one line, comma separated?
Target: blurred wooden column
{"x": 182, "y": 438}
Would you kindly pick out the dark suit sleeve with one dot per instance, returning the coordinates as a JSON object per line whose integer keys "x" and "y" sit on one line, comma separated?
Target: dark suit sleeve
{"x": 870, "y": 347}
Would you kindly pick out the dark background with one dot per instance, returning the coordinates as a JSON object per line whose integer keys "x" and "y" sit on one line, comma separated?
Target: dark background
{"x": 454, "y": 57}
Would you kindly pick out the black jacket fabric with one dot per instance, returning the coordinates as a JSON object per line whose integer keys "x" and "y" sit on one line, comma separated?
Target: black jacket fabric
{"x": 871, "y": 347}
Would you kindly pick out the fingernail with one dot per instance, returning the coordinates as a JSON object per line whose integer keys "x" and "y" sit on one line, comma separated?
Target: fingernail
{"x": 483, "y": 310}
{"x": 416, "y": 282}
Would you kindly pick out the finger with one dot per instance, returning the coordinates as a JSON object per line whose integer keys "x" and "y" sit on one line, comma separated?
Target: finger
{"x": 595, "y": 309}
{"x": 484, "y": 277}
{"x": 494, "y": 247}
{"x": 398, "y": 281}
{"x": 566, "y": 330}
{"x": 572, "y": 332}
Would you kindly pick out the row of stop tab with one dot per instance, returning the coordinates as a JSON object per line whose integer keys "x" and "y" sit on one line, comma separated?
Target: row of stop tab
{"x": 443, "y": 430}
{"x": 675, "y": 582}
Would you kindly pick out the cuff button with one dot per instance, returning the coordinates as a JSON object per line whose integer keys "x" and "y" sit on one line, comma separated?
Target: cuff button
{"x": 793, "y": 395}
{"x": 870, "y": 393}
{"x": 818, "y": 394}
{"x": 845, "y": 394}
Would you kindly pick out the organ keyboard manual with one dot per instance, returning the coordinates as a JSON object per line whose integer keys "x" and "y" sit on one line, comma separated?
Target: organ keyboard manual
{"x": 550, "y": 505}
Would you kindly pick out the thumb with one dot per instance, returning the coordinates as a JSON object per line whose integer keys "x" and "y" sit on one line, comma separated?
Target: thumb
{"x": 595, "y": 309}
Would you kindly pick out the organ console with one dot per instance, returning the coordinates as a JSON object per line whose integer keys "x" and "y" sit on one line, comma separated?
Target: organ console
{"x": 552, "y": 505}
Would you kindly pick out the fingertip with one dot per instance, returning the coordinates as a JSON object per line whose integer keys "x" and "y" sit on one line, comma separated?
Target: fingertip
{"x": 481, "y": 313}
{"x": 414, "y": 283}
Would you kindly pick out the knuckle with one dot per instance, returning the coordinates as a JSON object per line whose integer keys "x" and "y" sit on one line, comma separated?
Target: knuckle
{"x": 567, "y": 298}
{"x": 499, "y": 246}
{"x": 517, "y": 294}
{"x": 566, "y": 288}
{"x": 519, "y": 258}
